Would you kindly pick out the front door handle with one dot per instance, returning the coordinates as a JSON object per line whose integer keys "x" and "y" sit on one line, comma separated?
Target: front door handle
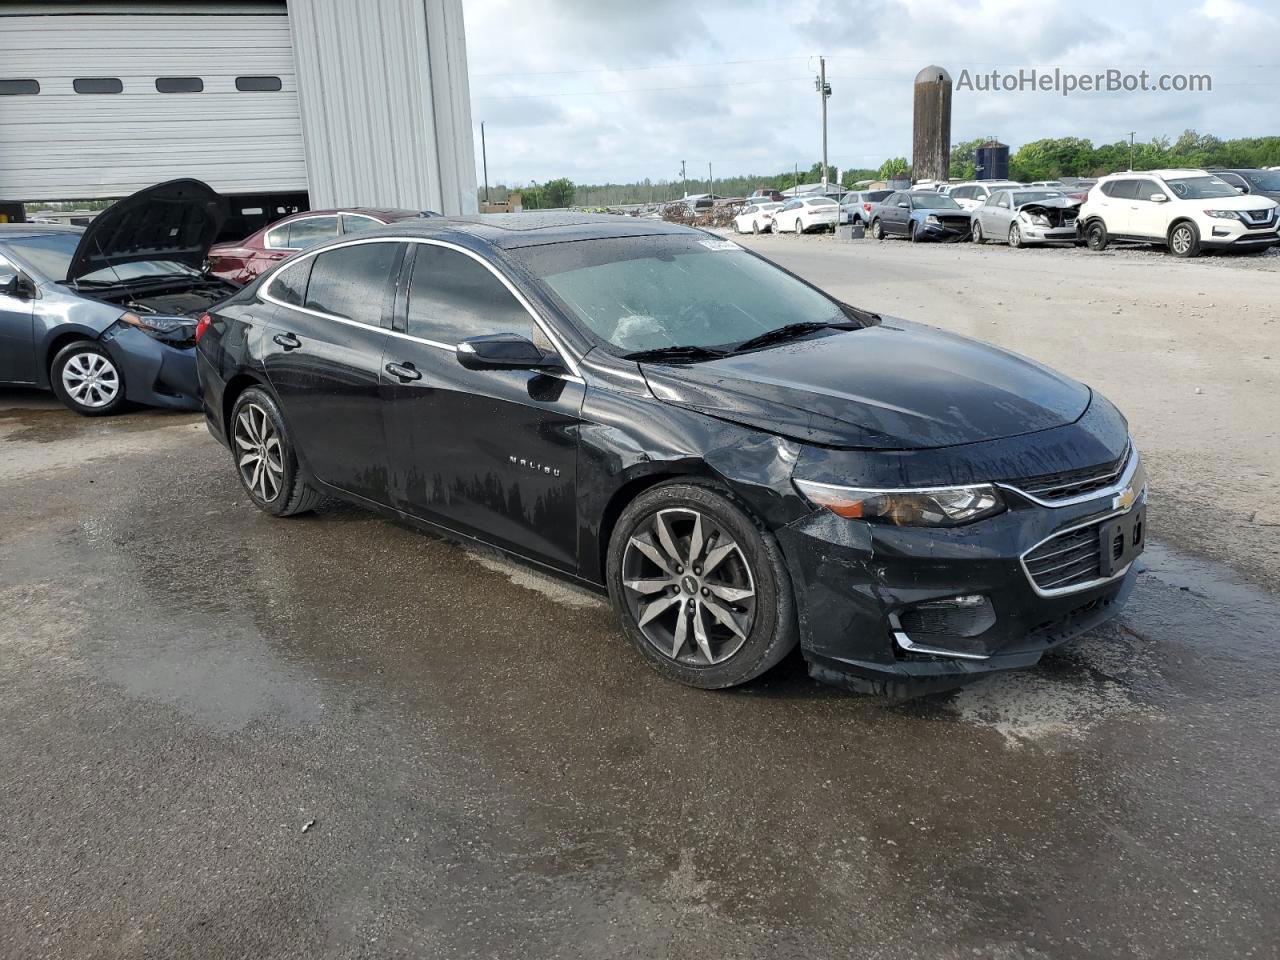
{"x": 406, "y": 372}
{"x": 287, "y": 340}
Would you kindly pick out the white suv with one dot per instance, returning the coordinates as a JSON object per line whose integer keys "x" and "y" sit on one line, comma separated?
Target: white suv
{"x": 1187, "y": 210}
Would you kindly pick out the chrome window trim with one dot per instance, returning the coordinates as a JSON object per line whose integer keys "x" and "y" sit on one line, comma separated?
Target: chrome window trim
{"x": 1090, "y": 584}
{"x": 574, "y": 375}
{"x": 1124, "y": 480}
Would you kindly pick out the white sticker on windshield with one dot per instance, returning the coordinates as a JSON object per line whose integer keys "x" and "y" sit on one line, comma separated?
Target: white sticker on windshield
{"x": 719, "y": 244}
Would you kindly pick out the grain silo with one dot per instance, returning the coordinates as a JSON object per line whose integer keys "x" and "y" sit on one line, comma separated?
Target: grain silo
{"x": 931, "y": 139}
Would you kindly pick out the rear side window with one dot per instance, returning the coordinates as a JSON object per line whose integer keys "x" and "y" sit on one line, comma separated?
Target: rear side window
{"x": 353, "y": 282}
{"x": 290, "y": 284}
{"x": 354, "y": 224}
{"x": 312, "y": 230}
{"x": 453, "y": 297}
{"x": 97, "y": 85}
{"x": 1121, "y": 189}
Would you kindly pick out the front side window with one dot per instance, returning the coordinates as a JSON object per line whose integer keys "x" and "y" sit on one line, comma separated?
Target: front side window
{"x": 453, "y": 296}
{"x": 353, "y": 282}
{"x": 1149, "y": 188}
{"x": 310, "y": 231}
{"x": 647, "y": 293}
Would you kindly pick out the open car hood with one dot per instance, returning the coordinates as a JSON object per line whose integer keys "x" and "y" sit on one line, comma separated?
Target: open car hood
{"x": 1050, "y": 203}
{"x": 896, "y": 386}
{"x": 178, "y": 220}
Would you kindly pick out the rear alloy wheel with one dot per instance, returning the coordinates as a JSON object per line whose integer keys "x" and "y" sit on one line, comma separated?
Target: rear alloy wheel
{"x": 977, "y": 233}
{"x": 1184, "y": 240}
{"x": 1015, "y": 236}
{"x": 264, "y": 458}
{"x": 877, "y": 229}
{"x": 86, "y": 379}
{"x": 755, "y": 226}
{"x": 799, "y": 228}
{"x": 701, "y": 590}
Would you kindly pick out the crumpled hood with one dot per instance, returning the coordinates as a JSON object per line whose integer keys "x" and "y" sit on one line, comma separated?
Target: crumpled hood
{"x": 177, "y": 220}
{"x": 1050, "y": 203}
{"x": 896, "y": 386}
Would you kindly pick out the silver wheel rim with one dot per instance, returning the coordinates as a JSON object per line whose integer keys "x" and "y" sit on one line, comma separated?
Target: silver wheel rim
{"x": 977, "y": 233}
{"x": 259, "y": 453}
{"x": 1181, "y": 240}
{"x": 1015, "y": 236}
{"x": 689, "y": 587}
{"x": 91, "y": 380}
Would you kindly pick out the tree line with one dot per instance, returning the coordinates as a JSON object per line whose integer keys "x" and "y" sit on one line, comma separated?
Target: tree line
{"x": 1046, "y": 159}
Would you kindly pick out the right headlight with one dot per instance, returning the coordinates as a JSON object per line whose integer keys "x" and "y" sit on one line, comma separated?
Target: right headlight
{"x": 929, "y": 507}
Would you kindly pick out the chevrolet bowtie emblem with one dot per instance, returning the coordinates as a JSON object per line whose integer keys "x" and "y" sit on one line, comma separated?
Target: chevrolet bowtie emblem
{"x": 1124, "y": 499}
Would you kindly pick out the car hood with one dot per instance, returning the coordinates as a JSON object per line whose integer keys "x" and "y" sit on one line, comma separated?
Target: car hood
{"x": 941, "y": 212}
{"x": 1050, "y": 203}
{"x": 177, "y": 220}
{"x": 1245, "y": 201}
{"x": 895, "y": 386}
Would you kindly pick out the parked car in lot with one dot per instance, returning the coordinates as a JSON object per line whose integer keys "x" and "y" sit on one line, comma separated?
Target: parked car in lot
{"x": 106, "y": 315}
{"x": 975, "y": 193}
{"x": 1185, "y": 210}
{"x": 756, "y": 217}
{"x": 1022, "y": 217}
{"x": 243, "y": 260}
{"x": 670, "y": 417}
{"x": 1255, "y": 183}
{"x": 855, "y": 207}
{"x": 802, "y": 214}
{"x": 919, "y": 216}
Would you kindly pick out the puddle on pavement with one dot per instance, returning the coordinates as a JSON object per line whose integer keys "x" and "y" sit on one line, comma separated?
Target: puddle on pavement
{"x": 49, "y": 426}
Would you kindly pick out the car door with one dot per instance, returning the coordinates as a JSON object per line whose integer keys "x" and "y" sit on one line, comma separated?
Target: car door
{"x": 1114, "y": 202}
{"x": 323, "y": 355}
{"x": 898, "y": 213}
{"x": 1001, "y": 216}
{"x": 489, "y": 453}
{"x": 17, "y": 344}
{"x": 1148, "y": 218}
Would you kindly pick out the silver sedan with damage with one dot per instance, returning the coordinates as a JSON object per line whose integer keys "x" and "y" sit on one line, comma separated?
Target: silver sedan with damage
{"x": 1023, "y": 217}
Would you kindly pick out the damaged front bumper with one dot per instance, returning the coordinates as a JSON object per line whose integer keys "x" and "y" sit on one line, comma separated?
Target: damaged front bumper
{"x": 911, "y": 610}
{"x": 156, "y": 374}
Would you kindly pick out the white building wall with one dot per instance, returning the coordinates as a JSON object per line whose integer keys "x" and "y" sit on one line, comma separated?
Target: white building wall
{"x": 385, "y": 103}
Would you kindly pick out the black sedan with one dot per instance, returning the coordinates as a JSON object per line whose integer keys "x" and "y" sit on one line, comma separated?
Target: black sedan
{"x": 742, "y": 461}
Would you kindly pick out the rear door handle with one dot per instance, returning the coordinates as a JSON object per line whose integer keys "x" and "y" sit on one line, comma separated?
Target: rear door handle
{"x": 287, "y": 340}
{"x": 406, "y": 372}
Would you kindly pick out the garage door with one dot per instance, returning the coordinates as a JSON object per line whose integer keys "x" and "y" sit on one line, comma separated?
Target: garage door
{"x": 101, "y": 105}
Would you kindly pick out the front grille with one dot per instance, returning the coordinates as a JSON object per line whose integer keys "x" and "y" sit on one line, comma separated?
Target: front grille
{"x": 1071, "y": 558}
{"x": 953, "y": 221}
{"x": 1054, "y": 487}
{"x": 1260, "y": 218}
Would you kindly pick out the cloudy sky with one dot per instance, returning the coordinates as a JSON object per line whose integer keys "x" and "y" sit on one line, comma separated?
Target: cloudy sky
{"x": 619, "y": 90}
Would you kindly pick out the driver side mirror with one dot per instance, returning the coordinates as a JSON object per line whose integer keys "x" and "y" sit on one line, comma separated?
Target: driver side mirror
{"x": 22, "y": 287}
{"x": 505, "y": 351}
{"x": 1158, "y": 198}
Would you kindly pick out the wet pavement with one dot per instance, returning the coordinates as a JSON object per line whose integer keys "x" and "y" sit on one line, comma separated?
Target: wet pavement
{"x": 223, "y": 734}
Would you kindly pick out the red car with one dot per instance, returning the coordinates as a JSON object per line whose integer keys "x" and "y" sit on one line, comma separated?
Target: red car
{"x": 240, "y": 262}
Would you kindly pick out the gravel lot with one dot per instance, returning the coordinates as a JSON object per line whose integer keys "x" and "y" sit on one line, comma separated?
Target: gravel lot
{"x": 224, "y": 735}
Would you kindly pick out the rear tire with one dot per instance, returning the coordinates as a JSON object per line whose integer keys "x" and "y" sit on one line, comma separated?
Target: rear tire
{"x": 1095, "y": 235}
{"x": 1184, "y": 240}
{"x": 263, "y": 454}
{"x": 684, "y": 605}
{"x": 877, "y": 229}
{"x": 85, "y": 378}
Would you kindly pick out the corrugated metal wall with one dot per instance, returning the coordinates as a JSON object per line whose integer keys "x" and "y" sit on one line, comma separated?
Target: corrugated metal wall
{"x": 385, "y": 103}
{"x": 59, "y": 145}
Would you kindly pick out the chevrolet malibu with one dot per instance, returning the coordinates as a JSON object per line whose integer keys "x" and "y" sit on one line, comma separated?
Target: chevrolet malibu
{"x": 743, "y": 462}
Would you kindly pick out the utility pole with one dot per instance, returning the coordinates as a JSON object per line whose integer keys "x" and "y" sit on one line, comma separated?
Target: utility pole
{"x": 683, "y": 182}
{"x": 1131, "y": 133}
{"x": 824, "y": 91}
{"x": 711, "y": 181}
{"x": 484, "y": 159}
{"x": 795, "y": 182}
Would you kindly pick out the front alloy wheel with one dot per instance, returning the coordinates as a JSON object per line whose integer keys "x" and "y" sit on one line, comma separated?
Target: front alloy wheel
{"x": 700, "y": 588}
{"x": 1015, "y": 236}
{"x": 1184, "y": 240}
{"x": 86, "y": 379}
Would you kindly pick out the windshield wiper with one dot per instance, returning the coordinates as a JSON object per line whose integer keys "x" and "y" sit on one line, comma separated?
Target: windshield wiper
{"x": 793, "y": 331}
{"x": 690, "y": 354}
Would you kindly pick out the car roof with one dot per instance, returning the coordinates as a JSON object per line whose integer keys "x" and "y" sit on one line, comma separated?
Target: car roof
{"x": 382, "y": 213}
{"x": 1188, "y": 172}
{"x": 512, "y": 230}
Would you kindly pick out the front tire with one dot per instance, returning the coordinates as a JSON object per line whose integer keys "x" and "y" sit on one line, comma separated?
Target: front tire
{"x": 700, "y": 588}
{"x": 87, "y": 380}
{"x": 264, "y": 457}
{"x": 976, "y": 233}
{"x": 1184, "y": 240}
{"x": 1015, "y": 236}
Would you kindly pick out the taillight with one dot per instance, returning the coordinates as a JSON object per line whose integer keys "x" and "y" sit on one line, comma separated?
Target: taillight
{"x": 202, "y": 325}
{"x": 866, "y": 207}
